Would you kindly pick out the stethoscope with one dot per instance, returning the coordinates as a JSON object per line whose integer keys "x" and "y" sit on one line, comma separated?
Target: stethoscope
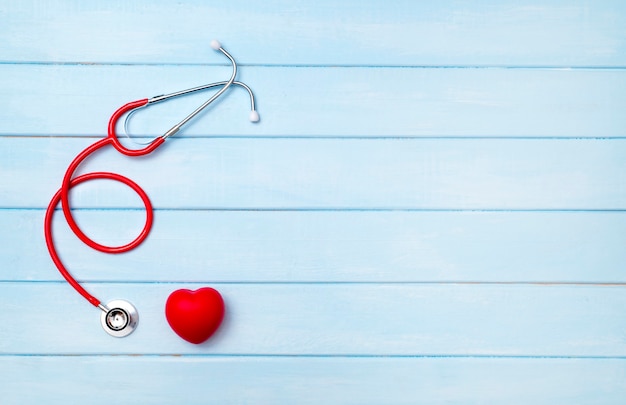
{"x": 119, "y": 318}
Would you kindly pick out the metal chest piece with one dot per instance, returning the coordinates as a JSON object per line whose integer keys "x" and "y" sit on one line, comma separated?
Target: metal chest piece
{"x": 121, "y": 318}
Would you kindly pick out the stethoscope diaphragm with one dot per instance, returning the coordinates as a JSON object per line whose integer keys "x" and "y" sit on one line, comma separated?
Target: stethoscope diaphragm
{"x": 120, "y": 318}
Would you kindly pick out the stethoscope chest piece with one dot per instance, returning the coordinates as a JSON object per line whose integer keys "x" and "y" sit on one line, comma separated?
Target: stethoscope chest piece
{"x": 120, "y": 319}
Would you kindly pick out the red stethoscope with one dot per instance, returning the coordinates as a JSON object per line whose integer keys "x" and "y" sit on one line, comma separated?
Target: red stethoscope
{"x": 119, "y": 317}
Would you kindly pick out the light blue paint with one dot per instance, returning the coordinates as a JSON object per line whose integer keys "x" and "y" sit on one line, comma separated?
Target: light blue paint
{"x": 323, "y": 101}
{"x": 353, "y": 32}
{"x": 330, "y": 319}
{"x": 327, "y": 246}
{"x": 235, "y": 380}
{"x": 527, "y": 174}
{"x": 360, "y": 262}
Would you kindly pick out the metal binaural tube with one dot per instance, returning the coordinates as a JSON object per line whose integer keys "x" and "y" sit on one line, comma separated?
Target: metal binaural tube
{"x": 177, "y": 127}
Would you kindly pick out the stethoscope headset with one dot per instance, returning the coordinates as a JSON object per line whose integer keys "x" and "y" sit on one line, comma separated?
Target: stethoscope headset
{"x": 119, "y": 318}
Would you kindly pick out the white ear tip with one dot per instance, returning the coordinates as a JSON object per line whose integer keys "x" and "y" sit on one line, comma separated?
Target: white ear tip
{"x": 215, "y": 44}
{"x": 254, "y": 116}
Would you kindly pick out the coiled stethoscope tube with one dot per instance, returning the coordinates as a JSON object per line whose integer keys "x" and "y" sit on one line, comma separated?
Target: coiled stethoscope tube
{"x": 119, "y": 317}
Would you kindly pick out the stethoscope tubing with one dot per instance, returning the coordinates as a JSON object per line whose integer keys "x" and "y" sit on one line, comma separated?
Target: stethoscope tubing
{"x": 62, "y": 196}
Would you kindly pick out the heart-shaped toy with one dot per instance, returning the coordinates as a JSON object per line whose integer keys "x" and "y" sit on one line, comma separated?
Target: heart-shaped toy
{"x": 195, "y": 315}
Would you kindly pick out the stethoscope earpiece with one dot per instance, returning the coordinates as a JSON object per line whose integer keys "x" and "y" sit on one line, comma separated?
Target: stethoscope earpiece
{"x": 119, "y": 318}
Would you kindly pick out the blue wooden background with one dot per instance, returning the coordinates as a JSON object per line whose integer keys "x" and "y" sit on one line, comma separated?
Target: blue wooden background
{"x": 431, "y": 210}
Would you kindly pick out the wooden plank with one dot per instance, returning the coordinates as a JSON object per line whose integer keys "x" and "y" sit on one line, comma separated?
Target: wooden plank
{"x": 201, "y": 380}
{"x": 480, "y": 32}
{"x": 78, "y": 100}
{"x": 333, "y": 246}
{"x": 330, "y": 319}
{"x": 330, "y": 174}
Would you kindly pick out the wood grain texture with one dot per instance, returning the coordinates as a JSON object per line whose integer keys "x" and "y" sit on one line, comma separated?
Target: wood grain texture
{"x": 328, "y": 319}
{"x": 262, "y": 380}
{"x": 431, "y": 209}
{"x": 326, "y": 246}
{"x": 320, "y": 102}
{"x": 354, "y": 32}
{"x": 244, "y": 173}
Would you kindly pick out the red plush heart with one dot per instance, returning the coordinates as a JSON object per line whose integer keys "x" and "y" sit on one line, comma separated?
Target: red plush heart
{"x": 195, "y": 315}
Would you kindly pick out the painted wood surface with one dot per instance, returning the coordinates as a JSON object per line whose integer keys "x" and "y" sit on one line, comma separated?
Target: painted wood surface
{"x": 309, "y": 380}
{"x": 320, "y": 101}
{"x": 327, "y": 246}
{"x": 503, "y": 174}
{"x": 431, "y": 209}
{"x": 330, "y": 319}
{"x": 354, "y": 32}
